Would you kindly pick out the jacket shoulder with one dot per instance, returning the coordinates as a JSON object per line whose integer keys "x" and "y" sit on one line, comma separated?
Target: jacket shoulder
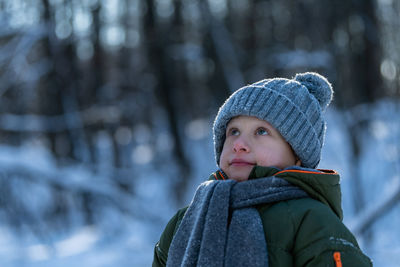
{"x": 162, "y": 247}
{"x": 312, "y": 233}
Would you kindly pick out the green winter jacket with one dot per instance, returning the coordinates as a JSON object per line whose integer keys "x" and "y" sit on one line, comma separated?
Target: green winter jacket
{"x": 299, "y": 232}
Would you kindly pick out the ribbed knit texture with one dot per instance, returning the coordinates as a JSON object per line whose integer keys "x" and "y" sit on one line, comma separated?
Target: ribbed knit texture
{"x": 208, "y": 237}
{"x": 293, "y": 106}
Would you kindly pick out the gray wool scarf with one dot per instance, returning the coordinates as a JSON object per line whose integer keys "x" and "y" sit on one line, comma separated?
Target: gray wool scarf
{"x": 221, "y": 227}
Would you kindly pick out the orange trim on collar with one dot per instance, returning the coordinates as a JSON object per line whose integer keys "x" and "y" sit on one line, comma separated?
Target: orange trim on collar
{"x": 216, "y": 178}
{"x": 221, "y": 176}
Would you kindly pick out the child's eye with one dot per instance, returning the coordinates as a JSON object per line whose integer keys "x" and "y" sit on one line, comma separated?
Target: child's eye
{"x": 262, "y": 131}
{"x": 234, "y": 132}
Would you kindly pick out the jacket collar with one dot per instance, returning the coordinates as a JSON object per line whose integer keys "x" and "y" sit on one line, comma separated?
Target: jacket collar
{"x": 323, "y": 185}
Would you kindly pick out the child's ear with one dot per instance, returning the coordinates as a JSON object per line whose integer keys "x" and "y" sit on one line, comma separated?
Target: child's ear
{"x": 298, "y": 162}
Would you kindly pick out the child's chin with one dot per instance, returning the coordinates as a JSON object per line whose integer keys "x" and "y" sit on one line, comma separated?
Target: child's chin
{"x": 239, "y": 174}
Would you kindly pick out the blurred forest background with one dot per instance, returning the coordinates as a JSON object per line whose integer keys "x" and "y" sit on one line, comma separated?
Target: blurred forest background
{"x": 97, "y": 95}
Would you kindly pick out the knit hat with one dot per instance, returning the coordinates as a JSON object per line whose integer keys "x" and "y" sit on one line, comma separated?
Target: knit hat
{"x": 293, "y": 106}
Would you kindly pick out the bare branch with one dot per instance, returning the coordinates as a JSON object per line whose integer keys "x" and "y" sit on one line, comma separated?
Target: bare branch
{"x": 54, "y": 124}
{"x": 370, "y": 215}
{"x": 84, "y": 183}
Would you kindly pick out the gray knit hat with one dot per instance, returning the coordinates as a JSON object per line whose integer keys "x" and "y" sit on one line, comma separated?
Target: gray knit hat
{"x": 294, "y": 107}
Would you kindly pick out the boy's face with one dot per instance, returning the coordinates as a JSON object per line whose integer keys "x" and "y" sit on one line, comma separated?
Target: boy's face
{"x": 251, "y": 141}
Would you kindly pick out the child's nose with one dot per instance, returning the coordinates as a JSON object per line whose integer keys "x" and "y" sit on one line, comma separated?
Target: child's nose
{"x": 240, "y": 145}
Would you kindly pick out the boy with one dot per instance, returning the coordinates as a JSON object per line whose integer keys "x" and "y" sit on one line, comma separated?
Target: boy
{"x": 267, "y": 205}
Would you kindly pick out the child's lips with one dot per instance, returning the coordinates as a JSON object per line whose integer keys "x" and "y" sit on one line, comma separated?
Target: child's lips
{"x": 241, "y": 162}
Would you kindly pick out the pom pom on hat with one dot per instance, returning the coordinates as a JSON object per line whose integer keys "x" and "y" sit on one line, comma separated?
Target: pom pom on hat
{"x": 318, "y": 86}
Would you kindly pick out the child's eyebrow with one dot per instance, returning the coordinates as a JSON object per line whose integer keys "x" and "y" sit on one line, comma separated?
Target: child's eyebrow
{"x": 230, "y": 125}
{"x": 266, "y": 127}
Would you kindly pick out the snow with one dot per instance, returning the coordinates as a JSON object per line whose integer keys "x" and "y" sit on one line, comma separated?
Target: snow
{"x": 127, "y": 238}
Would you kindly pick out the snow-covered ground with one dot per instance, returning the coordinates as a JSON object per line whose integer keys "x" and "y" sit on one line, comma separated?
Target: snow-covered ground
{"x": 122, "y": 240}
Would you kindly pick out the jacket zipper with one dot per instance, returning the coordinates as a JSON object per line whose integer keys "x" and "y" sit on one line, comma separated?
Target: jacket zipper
{"x": 337, "y": 259}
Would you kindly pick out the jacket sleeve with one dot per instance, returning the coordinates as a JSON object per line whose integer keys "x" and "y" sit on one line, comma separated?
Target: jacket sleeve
{"x": 323, "y": 240}
{"x": 162, "y": 247}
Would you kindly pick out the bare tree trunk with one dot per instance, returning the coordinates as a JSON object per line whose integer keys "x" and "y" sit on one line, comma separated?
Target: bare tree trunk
{"x": 356, "y": 127}
{"x": 224, "y": 49}
{"x": 63, "y": 81}
{"x": 156, "y": 43}
{"x": 368, "y": 80}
